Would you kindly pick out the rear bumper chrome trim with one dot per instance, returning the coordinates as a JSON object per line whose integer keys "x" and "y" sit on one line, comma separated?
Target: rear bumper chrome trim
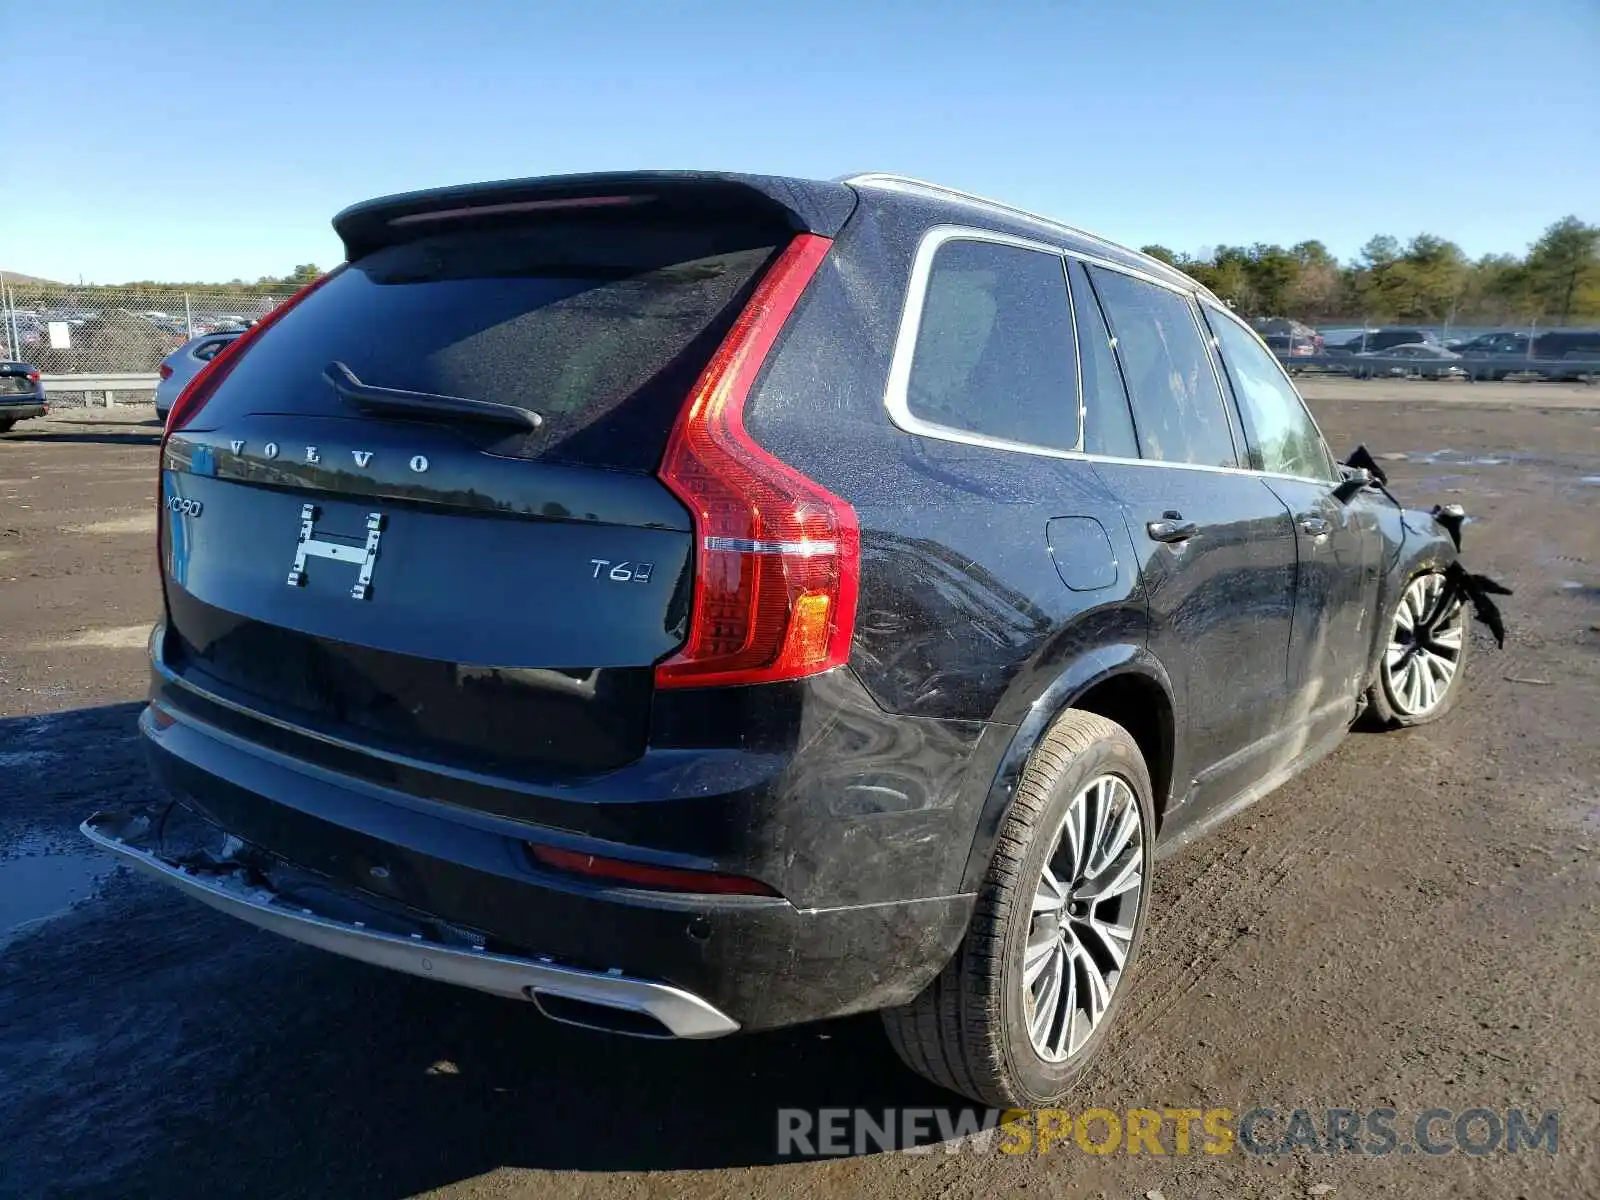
{"x": 681, "y": 1013}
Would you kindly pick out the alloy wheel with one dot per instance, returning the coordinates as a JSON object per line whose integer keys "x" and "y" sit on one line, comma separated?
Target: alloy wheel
{"x": 1085, "y": 912}
{"x": 1424, "y": 650}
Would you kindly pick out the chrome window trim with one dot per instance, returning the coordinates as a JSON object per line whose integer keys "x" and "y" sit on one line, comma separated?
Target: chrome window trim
{"x": 1333, "y": 463}
{"x": 897, "y": 399}
{"x": 1230, "y": 400}
{"x": 1224, "y": 393}
{"x": 890, "y": 182}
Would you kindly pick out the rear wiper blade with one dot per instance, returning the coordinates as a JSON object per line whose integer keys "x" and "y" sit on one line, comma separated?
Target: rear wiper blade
{"x": 425, "y": 405}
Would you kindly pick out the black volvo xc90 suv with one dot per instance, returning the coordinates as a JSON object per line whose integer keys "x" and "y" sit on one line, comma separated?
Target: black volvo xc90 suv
{"x": 701, "y": 602}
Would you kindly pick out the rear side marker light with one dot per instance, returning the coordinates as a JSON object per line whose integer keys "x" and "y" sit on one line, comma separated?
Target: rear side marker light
{"x": 646, "y": 875}
{"x": 778, "y": 557}
{"x": 165, "y": 372}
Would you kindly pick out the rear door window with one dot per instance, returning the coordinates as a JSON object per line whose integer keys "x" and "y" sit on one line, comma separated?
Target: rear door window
{"x": 1107, "y": 422}
{"x": 1282, "y": 437}
{"x": 994, "y": 352}
{"x": 600, "y": 327}
{"x": 1177, "y": 405}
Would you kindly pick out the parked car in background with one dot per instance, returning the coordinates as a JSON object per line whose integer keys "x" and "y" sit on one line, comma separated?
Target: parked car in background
{"x": 1420, "y": 361}
{"x": 1383, "y": 339}
{"x": 1495, "y": 355}
{"x": 1567, "y": 344}
{"x": 1288, "y": 338}
{"x": 184, "y": 363}
{"x": 21, "y": 394}
{"x": 1486, "y": 345}
{"x": 560, "y": 599}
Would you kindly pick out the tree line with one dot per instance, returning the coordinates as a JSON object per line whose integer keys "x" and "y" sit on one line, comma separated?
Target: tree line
{"x": 139, "y": 294}
{"x": 1428, "y": 280}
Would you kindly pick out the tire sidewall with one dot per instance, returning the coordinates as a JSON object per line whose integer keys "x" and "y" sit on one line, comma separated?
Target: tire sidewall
{"x": 1034, "y": 1080}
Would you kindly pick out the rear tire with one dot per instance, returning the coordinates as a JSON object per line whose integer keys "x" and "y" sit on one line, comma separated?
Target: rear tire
{"x": 989, "y": 1026}
{"x": 6, "y": 424}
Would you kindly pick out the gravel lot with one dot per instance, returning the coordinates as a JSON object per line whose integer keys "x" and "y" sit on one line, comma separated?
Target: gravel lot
{"x": 1412, "y": 923}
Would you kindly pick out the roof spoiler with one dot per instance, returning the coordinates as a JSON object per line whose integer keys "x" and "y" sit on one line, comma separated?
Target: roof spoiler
{"x": 806, "y": 206}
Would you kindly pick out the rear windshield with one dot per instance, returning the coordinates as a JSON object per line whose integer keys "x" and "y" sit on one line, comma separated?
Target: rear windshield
{"x": 601, "y": 328}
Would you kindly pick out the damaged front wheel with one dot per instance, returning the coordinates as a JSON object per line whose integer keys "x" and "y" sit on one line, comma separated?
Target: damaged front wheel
{"x": 1425, "y": 656}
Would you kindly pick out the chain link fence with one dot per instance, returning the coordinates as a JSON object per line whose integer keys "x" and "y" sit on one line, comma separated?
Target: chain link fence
{"x": 90, "y": 330}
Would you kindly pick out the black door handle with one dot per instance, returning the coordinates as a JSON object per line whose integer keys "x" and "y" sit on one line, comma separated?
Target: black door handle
{"x": 1172, "y": 531}
{"x": 1314, "y": 526}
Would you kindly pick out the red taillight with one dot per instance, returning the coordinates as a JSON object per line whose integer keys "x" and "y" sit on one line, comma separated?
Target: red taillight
{"x": 199, "y": 389}
{"x": 164, "y": 371}
{"x": 646, "y": 875}
{"x": 33, "y": 377}
{"x": 777, "y": 557}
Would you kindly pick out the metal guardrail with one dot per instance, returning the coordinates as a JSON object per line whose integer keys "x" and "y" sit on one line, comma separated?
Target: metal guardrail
{"x": 108, "y": 385}
{"x": 1497, "y": 366}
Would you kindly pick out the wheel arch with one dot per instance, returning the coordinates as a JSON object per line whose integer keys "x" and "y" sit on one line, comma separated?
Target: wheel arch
{"x": 1124, "y": 683}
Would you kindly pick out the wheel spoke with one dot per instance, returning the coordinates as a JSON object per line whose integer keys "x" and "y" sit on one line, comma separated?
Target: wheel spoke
{"x": 1050, "y": 895}
{"x": 1115, "y": 938}
{"x": 1104, "y": 793}
{"x": 1443, "y": 670}
{"x": 1097, "y": 891}
{"x": 1036, "y": 957}
{"x": 1099, "y": 996}
{"x": 1048, "y": 1003}
{"x": 1414, "y": 683}
{"x": 1414, "y": 608}
{"x": 1428, "y": 597}
{"x": 1069, "y": 1005}
{"x": 1076, "y": 819}
{"x": 1447, "y": 639}
{"x": 1119, "y": 837}
{"x": 1425, "y": 674}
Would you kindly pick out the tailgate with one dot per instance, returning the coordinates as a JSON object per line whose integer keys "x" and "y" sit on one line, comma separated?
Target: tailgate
{"x": 473, "y": 591}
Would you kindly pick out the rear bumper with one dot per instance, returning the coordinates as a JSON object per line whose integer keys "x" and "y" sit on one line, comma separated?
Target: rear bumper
{"x": 698, "y": 964}
{"x": 18, "y": 412}
{"x": 677, "y": 1012}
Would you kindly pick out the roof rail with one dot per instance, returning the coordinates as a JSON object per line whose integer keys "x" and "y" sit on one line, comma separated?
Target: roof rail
{"x": 906, "y": 183}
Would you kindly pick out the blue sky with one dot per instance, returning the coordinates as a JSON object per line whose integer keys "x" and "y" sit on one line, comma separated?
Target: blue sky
{"x": 183, "y": 141}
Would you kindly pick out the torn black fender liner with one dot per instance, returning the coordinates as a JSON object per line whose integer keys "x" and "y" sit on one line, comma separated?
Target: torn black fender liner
{"x": 1462, "y": 584}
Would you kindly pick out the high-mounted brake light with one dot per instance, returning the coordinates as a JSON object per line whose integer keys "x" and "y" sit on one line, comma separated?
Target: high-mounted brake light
{"x": 517, "y": 206}
{"x": 201, "y": 388}
{"x": 777, "y": 556}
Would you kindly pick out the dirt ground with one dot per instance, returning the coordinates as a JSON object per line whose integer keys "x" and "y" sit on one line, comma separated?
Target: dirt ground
{"x": 1413, "y": 923}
